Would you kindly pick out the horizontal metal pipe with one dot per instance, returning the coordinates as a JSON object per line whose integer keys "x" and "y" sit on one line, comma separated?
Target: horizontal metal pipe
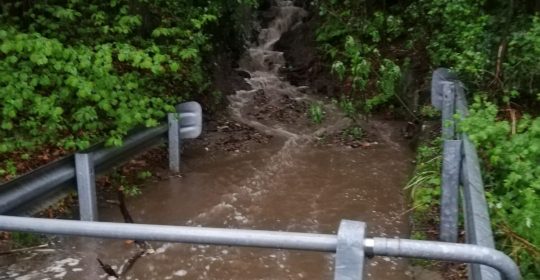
{"x": 180, "y": 234}
{"x": 435, "y": 250}
{"x": 431, "y": 250}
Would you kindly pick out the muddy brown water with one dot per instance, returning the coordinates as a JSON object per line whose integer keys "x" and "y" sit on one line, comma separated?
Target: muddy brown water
{"x": 304, "y": 189}
{"x": 294, "y": 180}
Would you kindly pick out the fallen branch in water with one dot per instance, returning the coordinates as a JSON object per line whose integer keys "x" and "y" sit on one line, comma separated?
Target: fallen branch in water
{"x": 126, "y": 267}
{"x": 127, "y": 217}
{"x": 123, "y": 208}
{"x": 145, "y": 247}
{"x": 131, "y": 261}
{"x": 108, "y": 269}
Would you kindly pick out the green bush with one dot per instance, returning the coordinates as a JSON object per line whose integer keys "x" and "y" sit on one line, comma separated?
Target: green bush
{"x": 53, "y": 93}
{"x": 521, "y": 69}
{"x": 351, "y": 39}
{"x": 511, "y": 153}
{"x": 74, "y": 72}
{"x": 456, "y": 32}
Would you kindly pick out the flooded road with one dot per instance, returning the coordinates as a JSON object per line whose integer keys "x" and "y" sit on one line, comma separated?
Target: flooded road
{"x": 266, "y": 167}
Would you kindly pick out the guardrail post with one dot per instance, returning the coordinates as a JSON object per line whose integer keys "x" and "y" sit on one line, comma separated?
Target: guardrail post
{"x": 350, "y": 251}
{"x": 174, "y": 142}
{"x": 86, "y": 187}
{"x": 450, "y": 190}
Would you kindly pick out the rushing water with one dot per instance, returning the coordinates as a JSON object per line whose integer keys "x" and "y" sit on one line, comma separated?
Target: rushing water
{"x": 289, "y": 183}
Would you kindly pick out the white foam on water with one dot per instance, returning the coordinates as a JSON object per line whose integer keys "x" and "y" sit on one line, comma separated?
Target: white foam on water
{"x": 58, "y": 268}
{"x": 29, "y": 276}
{"x": 163, "y": 248}
{"x": 180, "y": 273}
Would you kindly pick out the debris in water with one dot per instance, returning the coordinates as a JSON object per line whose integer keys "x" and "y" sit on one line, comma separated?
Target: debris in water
{"x": 107, "y": 268}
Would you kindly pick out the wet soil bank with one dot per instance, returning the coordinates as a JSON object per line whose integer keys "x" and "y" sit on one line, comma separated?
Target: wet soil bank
{"x": 304, "y": 65}
{"x": 262, "y": 165}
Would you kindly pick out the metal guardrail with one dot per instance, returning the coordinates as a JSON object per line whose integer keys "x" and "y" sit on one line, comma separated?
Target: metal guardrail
{"x": 461, "y": 168}
{"x": 60, "y": 175}
{"x": 350, "y": 244}
{"x": 55, "y": 177}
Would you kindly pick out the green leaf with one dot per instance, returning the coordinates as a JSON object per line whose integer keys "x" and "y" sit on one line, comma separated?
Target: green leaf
{"x": 188, "y": 53}
{"x": 174, "y": 66}
{"x": 38, "y": 58}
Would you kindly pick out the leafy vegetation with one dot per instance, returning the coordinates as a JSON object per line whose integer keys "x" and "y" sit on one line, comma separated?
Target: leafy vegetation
{"x": 350, "y": 38}
{"x": 25, "y": 239}
{"x": 512, "y": 153}
{"x": 354, "y": 132}
{"x": 73, "y": 72}
{"x": 495, "y": 50}
{"x": 490, "y": 59}
{"x": 347, "y": 106}
{"x": 425, "y": 185}
{"x": 316, "y": 113}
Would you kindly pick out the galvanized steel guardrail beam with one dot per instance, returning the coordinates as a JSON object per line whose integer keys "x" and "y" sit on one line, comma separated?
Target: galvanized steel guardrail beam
{"x": 16, "y": 195}
{"x": 448, "y": 95}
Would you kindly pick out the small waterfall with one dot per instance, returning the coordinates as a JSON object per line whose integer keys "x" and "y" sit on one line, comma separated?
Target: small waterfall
{"x": 264, "y": 63}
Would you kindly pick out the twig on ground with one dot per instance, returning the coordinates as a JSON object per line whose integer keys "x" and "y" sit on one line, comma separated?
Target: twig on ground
{"x": 127, "y": 217}
{"x": 533, "y": 249}
{"x": 108, "y": 269}
{"x": 131, "y": 261}
{"x": 145, "y": 247}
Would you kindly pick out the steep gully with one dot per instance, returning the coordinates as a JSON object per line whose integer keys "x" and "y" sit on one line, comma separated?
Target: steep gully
{"x": 266, "y": 167}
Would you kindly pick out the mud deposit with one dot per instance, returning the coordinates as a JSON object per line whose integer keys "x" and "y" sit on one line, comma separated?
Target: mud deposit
{"x": 265, "y": 165}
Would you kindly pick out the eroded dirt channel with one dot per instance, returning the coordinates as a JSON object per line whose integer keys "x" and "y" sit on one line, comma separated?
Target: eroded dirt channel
{"x": 266, "y": 166}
